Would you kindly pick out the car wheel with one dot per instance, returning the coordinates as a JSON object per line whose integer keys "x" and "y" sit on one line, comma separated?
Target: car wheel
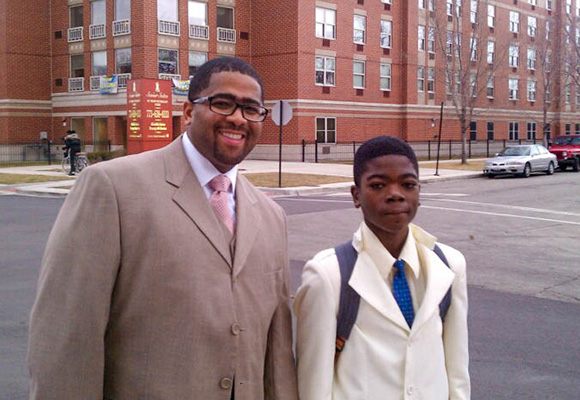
{"x": 575, "y": 166}
{"x": 527, "y": 170}
{"x": 491, "y": 176}
{"x": 550, "y": 170}
{"x": 562, "y": 166}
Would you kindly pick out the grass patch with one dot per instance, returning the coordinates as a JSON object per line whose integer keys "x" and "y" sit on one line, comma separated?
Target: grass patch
{"x": 15, "y": 179}
{"x": 470, "y": 166}
{"x": 270, "y": 179}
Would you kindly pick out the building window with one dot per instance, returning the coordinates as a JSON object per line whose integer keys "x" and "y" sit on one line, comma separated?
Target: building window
{"x": 123, "y": 61}
{"x": 577, "y": 93}
{"x": 225, "y": 17}
{"x": 421, "y": 37}
{"x": 325, "y": 130}
{"x": 513, "y": 131}
{"x": 490, "y": 130}
{"x": 197, "y": 13}
{"x": 533, "y": 2}
{"x": 325, "y": 23}
{"x": 548, "y": 131}
{"x": 490, "y": 51}
{"x": 449, "y": 8}
{"x": 568, "y": 131}
{"x": 577, "y": 129}
{"x": 449, "y": 43}
{"x": 531, "y": 131}
{"x": 473, "y": 49}
{"x": 531, "y": 59}
{"x": 548, "y": 62}
{"x": 422, "y": 4}
{"x": 549, "y": 5}
{"x": 431, "y": 40}
{"x": 457, "y": 83}
{"x": 458, "y": 8}
{"x": 548, "y": 34}
{"x": 386, "y": 34}
{"x": 421, "y": 79}
{"x": 431, "y": 80}
{"x": 431, "y": 5}
{"x": 324, "y": 70}
{"x": 98, "y": 19}
{"x": 196, "y": 60}
{"x": 448, "y": 83}
{"x": 514, "y": 21}
{"x": 568, "y": 6}
{"x": 99, "y": 63}
{"x": 359, "y": 29}
{"x": 490, "y": 87}
{"x": 473, "y": 12}
{"x": 122, "y": 9}
{"x": 76, "y": 17}
{"x": 168, "y": 61}
{"x": 387, "y": 1}
{"x": 567, "y": 34}
{"x": 567, "y": 93}
{"x": 514, "y": 55}
{"x": 473, "y": 85}
{"x": 513, "y": 89}
{"x": 167, "y": 10}
{"x": 77, "y": 66}
{"x": 358, "y": 74}
{"x": 548, "y": 93}
{"x": 458, "y": 45}
{"x": 532, "y": 85}
{"x": 385, "y": 76}
{"x": 473, "y": 130}
{"x": 532, "y": 26}
{"x": 491, "y": 16}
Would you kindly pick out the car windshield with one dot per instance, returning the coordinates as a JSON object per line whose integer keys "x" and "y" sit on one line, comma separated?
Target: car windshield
{"x": 562, "y": 140}
{"x": 515, "y": 151}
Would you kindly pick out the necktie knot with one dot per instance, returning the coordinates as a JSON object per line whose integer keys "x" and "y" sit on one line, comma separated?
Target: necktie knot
{"x": 400, "y": 266}
{"x": 220, "y": 183}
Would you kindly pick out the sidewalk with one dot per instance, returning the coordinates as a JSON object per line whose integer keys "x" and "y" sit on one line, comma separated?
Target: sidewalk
{"x": 61, "y": 188}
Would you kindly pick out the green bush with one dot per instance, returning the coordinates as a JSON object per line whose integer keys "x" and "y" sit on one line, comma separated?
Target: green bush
{"x": 98, "y": 156}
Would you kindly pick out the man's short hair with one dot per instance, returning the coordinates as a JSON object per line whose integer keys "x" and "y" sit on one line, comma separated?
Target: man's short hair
{"x": 381, "y": 146}
{"x": 200, "y": 80}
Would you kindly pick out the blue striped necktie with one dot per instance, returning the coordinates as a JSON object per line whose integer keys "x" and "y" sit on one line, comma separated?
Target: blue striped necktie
{"x": 402, "y": 293}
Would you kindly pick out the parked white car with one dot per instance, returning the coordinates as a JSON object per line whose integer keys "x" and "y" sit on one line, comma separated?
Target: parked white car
{"x": 521, "y": 160}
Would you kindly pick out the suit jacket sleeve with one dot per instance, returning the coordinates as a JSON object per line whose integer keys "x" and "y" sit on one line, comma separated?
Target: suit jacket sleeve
{"x": 315, "y": 307}
{"x": 455, "y": 336}
{"x": 69, "y": 318}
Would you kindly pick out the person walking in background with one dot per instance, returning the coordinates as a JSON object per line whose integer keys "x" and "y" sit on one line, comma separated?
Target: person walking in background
{"x": 403, "y": 344}
{"x": 166, "y": 273}
{"x": 72, "y": 146}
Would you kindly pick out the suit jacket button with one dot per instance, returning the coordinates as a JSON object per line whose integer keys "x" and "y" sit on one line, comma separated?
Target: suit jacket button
{"x": 236, "y": 329}
{"x": 226, "y": 383}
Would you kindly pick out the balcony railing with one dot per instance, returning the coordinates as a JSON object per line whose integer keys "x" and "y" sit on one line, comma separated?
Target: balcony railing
{"x": 76, "y": 84}
{"x": 169, "y": 28}
{"x": 75, "y": 34}
{"x": 169, "y": 76}
{"x": 199, "y": 32}
{"x": 121, "y": 27}
{"x": 96, "y": 82}
{"x": 97, "y": 31}
{"x": 122, "y": 80}
{"x": 226, "y": 35}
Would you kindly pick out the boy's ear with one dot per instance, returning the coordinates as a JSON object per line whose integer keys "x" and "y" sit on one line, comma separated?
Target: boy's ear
{"x": 354, "y": 191}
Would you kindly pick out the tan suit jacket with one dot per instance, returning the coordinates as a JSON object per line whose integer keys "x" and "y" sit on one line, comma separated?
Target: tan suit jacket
{"x": 139, "y": 297}
{"x": 383, "y": 358}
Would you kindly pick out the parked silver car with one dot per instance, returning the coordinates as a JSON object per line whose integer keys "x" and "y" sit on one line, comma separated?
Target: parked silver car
{"x": 521, "y": 160}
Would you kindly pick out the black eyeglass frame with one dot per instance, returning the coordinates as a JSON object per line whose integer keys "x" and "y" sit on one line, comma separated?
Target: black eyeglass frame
{"x": 209, "y": 99}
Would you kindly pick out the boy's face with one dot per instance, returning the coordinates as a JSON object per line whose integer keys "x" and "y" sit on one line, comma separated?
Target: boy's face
{"x": 388, "y": 194}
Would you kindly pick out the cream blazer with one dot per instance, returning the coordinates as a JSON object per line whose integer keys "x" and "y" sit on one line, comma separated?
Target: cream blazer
{"x": 383, "y": 359}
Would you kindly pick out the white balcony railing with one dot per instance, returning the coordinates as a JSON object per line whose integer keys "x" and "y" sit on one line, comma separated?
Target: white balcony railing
{"x": 96, "y": 82}
{"x": 199, "y": 32}
{"x": 76, "y": 84}
{"x": 122, "y": 80}
{"x": 226, "y": 35}
{"x": 169, "y": 28}
{"x": 97, "y": 31}
{"x": 121, "y": 27}
{"x": 75, "y": 34}
{"x": 169, "y": 76}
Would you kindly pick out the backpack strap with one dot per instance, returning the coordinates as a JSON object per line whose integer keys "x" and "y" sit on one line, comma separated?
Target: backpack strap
{"x": 446, "y": 302}
{"x": 349, "y": 298}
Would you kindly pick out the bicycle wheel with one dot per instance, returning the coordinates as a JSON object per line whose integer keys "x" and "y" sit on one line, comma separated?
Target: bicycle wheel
{"x": 66, "y": 165}
{"x": 81, "y": 163}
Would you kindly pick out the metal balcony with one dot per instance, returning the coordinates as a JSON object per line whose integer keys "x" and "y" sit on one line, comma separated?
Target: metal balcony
{"x": 199, "y": 32}
{"x": 121, "y": 27}
{"x": 226, "y": 35}
{"x": 168, "y": 28}
{"x": 75, "y": 34}
{"x": 76, "y": 84}
{"x": 97, "y": 31}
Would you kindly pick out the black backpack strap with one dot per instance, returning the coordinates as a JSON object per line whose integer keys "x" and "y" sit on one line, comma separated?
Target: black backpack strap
{"x": 349, "y": 298}
{"x": 446, "y": 302}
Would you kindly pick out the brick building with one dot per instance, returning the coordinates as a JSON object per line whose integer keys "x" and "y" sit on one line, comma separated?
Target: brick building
{"x": 351, "y": 69}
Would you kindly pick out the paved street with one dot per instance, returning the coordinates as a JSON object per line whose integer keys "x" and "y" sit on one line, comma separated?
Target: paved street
{"x": 519, "y": 236}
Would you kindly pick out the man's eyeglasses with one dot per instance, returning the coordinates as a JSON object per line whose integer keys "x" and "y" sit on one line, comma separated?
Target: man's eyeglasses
{"x": 223, "y": 106}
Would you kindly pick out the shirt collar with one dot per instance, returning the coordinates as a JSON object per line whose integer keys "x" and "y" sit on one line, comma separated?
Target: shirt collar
{"x": 203, "y": 169}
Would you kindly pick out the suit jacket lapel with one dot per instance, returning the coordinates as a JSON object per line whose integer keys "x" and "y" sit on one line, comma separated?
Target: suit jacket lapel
{"x": 248, "y": 222}
{"x": 190, "y": 197}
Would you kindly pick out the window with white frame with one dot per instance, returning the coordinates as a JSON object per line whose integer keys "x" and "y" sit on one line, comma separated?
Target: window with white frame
{"x": 577, "y": 37}
{"x": 548, "y": 31}
{"x": 490, "y": 130}
{"x": 578, "y": 8}
{"x": 490, "y": 51}
{"x": 98, "y": 12}
{"x": 490, "y": 87}
{"x": 533, "y": 2}
{"x": 386, "y": 33}
{"x": 123, "y": 61}
{"x": 431, "y": 80}
{"x": 548, "y": 93}
{"x": 513, "y": 131}
{"x": 196, "y": 60}
{"x": 513, "y": 88}
{"x": 76, "y": 17}
{"x": 491, "y": 16}
{"x": 358, "y": 74}
{"x": 359, "y": 29}
{"x": 431, "y": 40}
{"x": 473, "y": 12}
{"x": 458, "y": 8}
{"x": 421, "y": 79}
{"x": 168, "y": 61}
{"x": 167, "y": 10}
{"x": 473, "y": 130}
{"x": 514, "y": 55}
{"x": 225, "y": 17}
{"x": 531, "y": 131}
{"x": 385, "y": 77}
{"x": 567, "y": 34}
{"x": 473, "y": 49}
{"x": 197, "y": 13}
{"x": 458, "y": 37}
{"x": 324, "y": 70}
{"x": 387, "y": 1}
{"x": 99, "y": 63}
{"x": 532, "y": 26}
{"x": 325, "y": 130}
{"x": 532, "y": 86}
{"x": 531, "y": 59}
{"x": 457, "y": 83}
{"x": 548, "y": 61}
{"x": 122, "y": 10}
{"x": 567, "y": 93}
{"x": 577, "y": 93}
{"x": 449, "y": 43}
{"x": 449, "y": 7}
{"x": 421, "y": 37}
{"x": 77, "y": 66}
{"x": 473, "y": 84}
{"x": 568, "y": 7}
{"x": 448, "y": 83}
{"x": 431, "y": 5}
{"x": 514, "y": 21}
{"x": 325, "y": 23}
{"x": 568, "y": 129}
{"x": 422, "y": 4}
{"x": 549, "y": 5}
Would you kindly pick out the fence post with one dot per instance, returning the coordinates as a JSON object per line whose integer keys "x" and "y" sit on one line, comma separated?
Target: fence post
{"x": 429, "y": 150}
{"x": 450, "y": 149}
{"x": 316, "y": 151}
{"x": 48, "y": 152}
{"x": 469, "y": 148}
{"x": 487, "y": 149}
{"x": 303, "y": 150}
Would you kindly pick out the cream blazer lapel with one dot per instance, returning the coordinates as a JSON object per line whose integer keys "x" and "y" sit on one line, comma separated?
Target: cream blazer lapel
{"x": 190, "y": 197}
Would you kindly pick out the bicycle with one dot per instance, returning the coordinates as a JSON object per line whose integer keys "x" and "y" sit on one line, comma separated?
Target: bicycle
{"x": 81, "y": 162}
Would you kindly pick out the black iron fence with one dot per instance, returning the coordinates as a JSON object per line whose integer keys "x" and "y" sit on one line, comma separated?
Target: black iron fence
{"x": 44, "y": 151}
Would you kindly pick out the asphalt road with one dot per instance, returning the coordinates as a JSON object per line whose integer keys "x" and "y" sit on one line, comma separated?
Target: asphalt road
{"x": 519, "y": 236}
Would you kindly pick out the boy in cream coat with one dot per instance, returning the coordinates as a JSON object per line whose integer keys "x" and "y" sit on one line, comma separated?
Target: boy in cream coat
{"x": 394, "y": 351}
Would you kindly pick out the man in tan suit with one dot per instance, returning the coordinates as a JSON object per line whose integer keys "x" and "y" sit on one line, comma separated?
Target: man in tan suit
{"x": 147, "y": 291}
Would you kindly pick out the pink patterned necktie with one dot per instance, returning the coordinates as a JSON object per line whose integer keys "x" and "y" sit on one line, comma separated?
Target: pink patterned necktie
{"x": 219, "y": 199}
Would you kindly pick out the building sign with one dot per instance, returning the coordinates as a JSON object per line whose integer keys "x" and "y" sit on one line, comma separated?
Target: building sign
{"x": 108, "y": 85}
{"x": 180, "y": 87}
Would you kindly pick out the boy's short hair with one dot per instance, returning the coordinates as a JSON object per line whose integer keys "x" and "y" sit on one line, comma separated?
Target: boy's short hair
{"x": 200, "y": 80}
{"x": 381, "y": 146}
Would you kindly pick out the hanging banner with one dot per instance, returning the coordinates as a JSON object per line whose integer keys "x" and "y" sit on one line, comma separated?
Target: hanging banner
{"x": 180, "y": 87}
{"x": 109, "y": 85}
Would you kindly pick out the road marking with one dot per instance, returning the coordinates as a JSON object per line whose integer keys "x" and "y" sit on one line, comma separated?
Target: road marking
{"x": 502, "y": 215}
{"x": 538, "y": 210}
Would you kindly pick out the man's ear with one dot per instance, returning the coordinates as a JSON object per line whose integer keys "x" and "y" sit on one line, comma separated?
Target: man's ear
{"x": 187, "y": 112}
{"x": 354, "y": 192}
